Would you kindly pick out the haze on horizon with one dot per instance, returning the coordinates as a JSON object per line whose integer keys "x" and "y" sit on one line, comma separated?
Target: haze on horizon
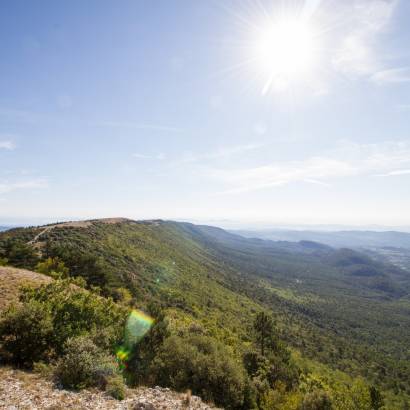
{"x": 195, "y": 111}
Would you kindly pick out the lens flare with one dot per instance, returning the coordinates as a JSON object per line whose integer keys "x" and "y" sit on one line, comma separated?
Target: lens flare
{"x": 137, "y": 325}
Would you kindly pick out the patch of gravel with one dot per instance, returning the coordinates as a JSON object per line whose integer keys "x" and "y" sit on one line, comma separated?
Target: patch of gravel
{"x": 22, "y": 390}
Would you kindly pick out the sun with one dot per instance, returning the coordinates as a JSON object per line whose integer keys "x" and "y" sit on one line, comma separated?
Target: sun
{"x": 284, "y": 52}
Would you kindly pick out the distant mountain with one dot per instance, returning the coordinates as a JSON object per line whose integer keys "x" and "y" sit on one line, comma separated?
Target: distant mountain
{"x": 337, "y": 239}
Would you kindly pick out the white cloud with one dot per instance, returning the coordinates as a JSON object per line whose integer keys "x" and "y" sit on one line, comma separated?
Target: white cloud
{"x": 397, "y": 172}
{"x": 392, "y": 76}
{"x": 347, "y": 160}
{"x": 8, "y": 145}
{"x": 361, "y": 24}
{"x": 311, "y": 170}
{"x": 8, "y": 186}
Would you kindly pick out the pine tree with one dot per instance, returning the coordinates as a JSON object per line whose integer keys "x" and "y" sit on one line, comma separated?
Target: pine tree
{"x": 376, "y": 398}
{"x": 264, "y": 327}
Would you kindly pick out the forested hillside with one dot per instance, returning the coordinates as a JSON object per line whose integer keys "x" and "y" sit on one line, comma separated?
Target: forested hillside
{"x": 285, "y": 324}
{"x": 341, "y": 238}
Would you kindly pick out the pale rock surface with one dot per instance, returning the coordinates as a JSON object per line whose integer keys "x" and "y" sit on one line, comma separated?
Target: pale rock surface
{"x": 23, "y": 391}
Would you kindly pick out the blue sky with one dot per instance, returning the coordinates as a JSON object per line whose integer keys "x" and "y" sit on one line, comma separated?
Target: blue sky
{"x": 166, "y": 110}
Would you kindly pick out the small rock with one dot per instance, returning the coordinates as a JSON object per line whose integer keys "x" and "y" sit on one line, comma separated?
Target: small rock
{"x": 143, "y": 406}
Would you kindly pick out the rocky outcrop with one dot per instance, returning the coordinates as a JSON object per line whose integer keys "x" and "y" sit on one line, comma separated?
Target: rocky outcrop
{"x": 22, "y": 390}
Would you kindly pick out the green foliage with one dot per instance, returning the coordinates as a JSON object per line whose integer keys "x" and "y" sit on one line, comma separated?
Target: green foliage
{"x": 90, "y": 267}
{"x": 264, "y": 327}
{"x": 53, "y": 267}
{"x": 115, "y": 387}
{"x": 122, "y": 295}
{"x": 143, "y": 353}
{"x": 26, "y": 333}
{"x": 76, "y": 311}
{"x": 17, "y": 253}
{"x": 204, "y": 366}
{"x": 84, "y": 365}
{"x": 49, "y": 315}
{"x": 46, "y": 370}
{"x": 317, "y": 400}
{"x": 376, "y": 398}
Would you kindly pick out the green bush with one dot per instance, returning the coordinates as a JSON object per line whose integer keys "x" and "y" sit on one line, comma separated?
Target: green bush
{"x": 44, "y": 369}
{"x": 203, "y": 365}
{"x": 26, "y": 333}
{"x": 37, "y": 329}
{"x": 115, "y": 387}
{"x": 53, "y": 267}
{"x": 76, "y": 311}
{"x": 316, "y": 400}
{"x": 18, "y": 254}
{"x": 84, "y": 365}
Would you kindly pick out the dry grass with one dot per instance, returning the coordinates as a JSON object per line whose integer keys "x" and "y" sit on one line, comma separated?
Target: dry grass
{"x": 11, "y": 280}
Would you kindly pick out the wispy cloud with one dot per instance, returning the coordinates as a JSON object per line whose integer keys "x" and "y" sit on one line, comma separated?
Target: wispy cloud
{"x": 222, "y": 152}
{"x": 160, "y": 156}
{"x": 392, "y": 76}
{"x": 348, "y": 160}
{"x": 397, "y": 172}
{"x": 311, "y": 170}
{"x": 362, "y": 22}
{"x": 9, "y": 186}
{"x": 8, "y": 145}
{"x": 139, "y": 126}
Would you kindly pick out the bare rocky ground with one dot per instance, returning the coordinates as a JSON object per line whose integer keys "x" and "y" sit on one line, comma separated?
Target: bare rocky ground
{"x": 22, "y": 390}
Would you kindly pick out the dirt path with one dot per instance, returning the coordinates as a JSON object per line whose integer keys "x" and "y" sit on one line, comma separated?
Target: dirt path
{"x": 37, "y": 237}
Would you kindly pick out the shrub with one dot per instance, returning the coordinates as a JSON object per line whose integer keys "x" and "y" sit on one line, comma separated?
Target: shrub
{"x": 316, "y": 400}
{"x": 84, "y": 365}
{"x": 44, "y": 369}
{"x": 49, "y": 315}
{"x": 26, "y": 333}
{"x": 53, "y": 267}
{"x": 76, "y": 311}
{"x": 115, "y": 387}
{"x": 122, "y": 295}
{"x": 18, "y": 254}
{"x": 202, "y": 365}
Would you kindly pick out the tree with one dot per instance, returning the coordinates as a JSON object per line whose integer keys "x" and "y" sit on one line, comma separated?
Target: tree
{"x": 316, "y": 400}
{"x": 376, "y": 398}
{"x": 263, "y": 325}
